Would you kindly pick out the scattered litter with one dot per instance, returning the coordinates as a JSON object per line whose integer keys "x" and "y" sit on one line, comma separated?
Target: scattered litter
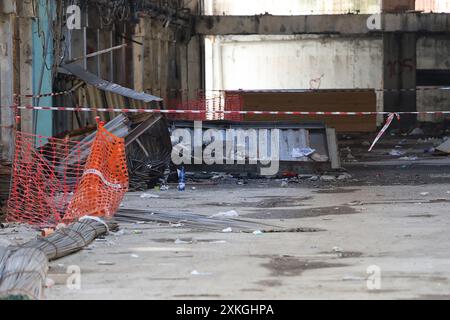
{"x": 121, "y": 232}
{"x": 193, "y": 188}
{"x": 284, "y": 183}
{"x": 179, "y": 241}
{"x": 444, "y": 147}
{"x": 228, "y": 214}
{"x": 164, "y": 188}
{"x": 137, "y": 232}
{"x": 49, "y": 283}
{"x": 397, "y": 153}
{"x": 338, "y": 249}
{"x": 302, "y": 152}
{"x": 105, "y": 263}
{"x": 258, "y": 233}
{"x": 314, "y": 178}
{"x": 176, "y": 225}
{"x": 344, "y": 176}
{"x": 148, "y": 196}
{"x": 417, "y": 132}
{"x": 227, "y": 230}
{"x": 196, "y": 273}
{"x": 47, "y": 232}
{"x": 219, "y": 242}
{"x": 424, "y": 194}
{"x": 410, "y": 158}
{"x": 353, "y": 278}
{"x": 134, "y": 256}
{"x": 181, "y": 179}
{"x": 304, "y": 176}
{"x": 328, "y": 178}
{"x": 319, "y": 157}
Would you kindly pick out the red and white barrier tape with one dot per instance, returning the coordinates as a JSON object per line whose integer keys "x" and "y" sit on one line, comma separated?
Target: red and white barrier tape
{"x": 391, "y": 115}
{"x": 383, "y": 130}
{"x": 275, "y": 113}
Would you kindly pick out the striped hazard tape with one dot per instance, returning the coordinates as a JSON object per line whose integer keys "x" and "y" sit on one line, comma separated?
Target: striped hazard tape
{"x": 226, "y": 112}
{"x": 389, "y": 120}
{"x": 390, "y": 115}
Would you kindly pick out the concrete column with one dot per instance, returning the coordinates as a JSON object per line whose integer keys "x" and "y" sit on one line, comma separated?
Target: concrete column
{"x": 399, "y": 58}
{"x": 25, "y": 38}
{"x": 194, "y": 65}
{"x": 6, "y": 84}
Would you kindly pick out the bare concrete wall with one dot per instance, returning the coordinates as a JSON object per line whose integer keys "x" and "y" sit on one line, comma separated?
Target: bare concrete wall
{"x": 433, "y": 53}
{"x": 290, "y": 7}
{"x": 6, "y": 83}
{"x": 293, "y": 62}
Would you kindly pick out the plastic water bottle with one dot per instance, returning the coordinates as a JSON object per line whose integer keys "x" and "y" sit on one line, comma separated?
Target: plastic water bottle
{"x": 181, "y": 179}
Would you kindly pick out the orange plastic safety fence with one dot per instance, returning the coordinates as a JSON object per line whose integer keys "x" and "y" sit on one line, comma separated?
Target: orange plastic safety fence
{"x": 105, "y": 179}
{"x": 45, "y": 174}
{"x": 57, "y": 180}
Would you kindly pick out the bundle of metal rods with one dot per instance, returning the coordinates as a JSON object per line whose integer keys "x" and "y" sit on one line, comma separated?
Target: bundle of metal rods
{"x": 23, "y": 273}
{"x": 23, "y": 269}
{"x": 189, "y": 220}
{"x": 69, "y": 240}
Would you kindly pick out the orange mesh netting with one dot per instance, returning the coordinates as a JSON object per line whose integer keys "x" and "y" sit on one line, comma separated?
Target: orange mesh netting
{"x": 105, "y": 179}
{"x": 52, "y": 181}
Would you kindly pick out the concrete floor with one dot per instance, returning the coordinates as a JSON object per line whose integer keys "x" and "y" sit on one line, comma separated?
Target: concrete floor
{"x": 399, "y": 229}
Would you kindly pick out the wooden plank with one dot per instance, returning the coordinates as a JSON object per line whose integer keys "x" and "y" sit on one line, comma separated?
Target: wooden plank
{"x": 323, "y": 100}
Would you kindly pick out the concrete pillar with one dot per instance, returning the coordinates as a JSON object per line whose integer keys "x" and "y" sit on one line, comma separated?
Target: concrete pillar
{"x": 191, "y": 68}
{"x": 194, "y": 65}
{"x": 399, "y": 58}
{"x": 25, "y": 37}
{"x": 6, "y": 84}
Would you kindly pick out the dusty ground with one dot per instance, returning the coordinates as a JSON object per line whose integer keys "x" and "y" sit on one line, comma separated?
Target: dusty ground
{"x": 396, "y": 228}
{"x": 392, "y": 215}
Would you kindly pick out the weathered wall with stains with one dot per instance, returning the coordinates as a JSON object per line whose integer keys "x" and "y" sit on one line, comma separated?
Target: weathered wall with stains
{"x": 6, "y": 79}
{"x": 293, "y": 62}
{"x": 433, "y": 5}
{"x": 290, "y": 7}
{"x": 433, "y": 53}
